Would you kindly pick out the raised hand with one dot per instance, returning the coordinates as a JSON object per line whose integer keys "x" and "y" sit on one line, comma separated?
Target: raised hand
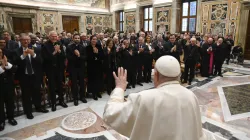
{"x": 121, "y": 79}
{"x": 77, "y": 53}
{"x": 31, "y": 52}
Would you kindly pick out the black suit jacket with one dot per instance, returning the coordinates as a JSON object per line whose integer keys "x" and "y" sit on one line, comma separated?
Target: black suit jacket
{"x": 12, "y": 46}
{"x": 75, "y": 61}
{"x": 142, "y": 55}
{"x": 191, "y": 54}
{"x": 52, "y": 61}
{"x": 35, "y": 62}
{"x": 178, "y": 51}
{"x": 87, "y": 43}
{"x": 160, "y": 51}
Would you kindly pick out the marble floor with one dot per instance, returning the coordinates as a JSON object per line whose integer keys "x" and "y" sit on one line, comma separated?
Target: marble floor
{"x": 208, "y": 91}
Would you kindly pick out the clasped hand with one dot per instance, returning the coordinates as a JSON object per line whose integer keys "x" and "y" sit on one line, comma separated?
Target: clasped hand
{"x": 4, "y": 61}
{"x": 77, "y": 53}
{"x": 57, "y": 49}
{"x": 28, "y": 51}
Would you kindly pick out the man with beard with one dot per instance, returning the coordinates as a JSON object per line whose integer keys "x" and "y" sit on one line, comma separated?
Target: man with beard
{"x": 29, "y": 63}
{"x": 54, "y": 58}
{"x": 175, "y": 47}
{"x": 219, "y": 56}
{"x": 76, "y": 55}
{"x": 190, "y": 59}
{"x": 7, "y": 92}
{"x": 160, "y": 47}
{"x": 207, "y": 56}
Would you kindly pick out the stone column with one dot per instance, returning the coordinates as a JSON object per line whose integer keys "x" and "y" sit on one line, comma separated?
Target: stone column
{"x": 113, "y": 21}
{"x": 81, "y": 24}
{"x": 199, "y": 15}
{"x": 137, "y": 19}
{"x": 175, "y": 16}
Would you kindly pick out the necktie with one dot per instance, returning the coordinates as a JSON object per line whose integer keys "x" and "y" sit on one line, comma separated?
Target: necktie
{"x": 28, "y": 65}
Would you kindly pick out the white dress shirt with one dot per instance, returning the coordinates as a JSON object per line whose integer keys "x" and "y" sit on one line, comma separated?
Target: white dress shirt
{"x": 9, "y": 66}
{"x": 23, "y": 57}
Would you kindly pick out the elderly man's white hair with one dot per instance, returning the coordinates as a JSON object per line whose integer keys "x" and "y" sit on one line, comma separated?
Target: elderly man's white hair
{"x": 142, "y": 33}
{"x": 23, "y": 35}
{"x": 159, "y": 36}
{"x": 52, "y": 32}
{"x": 193, "y": 39}
{"x": 115, "y": 37}
{"x": 210, "y": 38}
{"x": 83, "y": 34}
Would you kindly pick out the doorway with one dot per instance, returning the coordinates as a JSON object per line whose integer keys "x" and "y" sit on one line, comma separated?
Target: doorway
{"x": 70, "y": 24}
{"x": 247, "y": 44}
{"x": 22, "y": 25}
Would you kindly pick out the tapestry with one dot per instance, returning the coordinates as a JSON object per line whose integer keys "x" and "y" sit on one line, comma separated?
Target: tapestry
{"x": 89, "y": 20}
{"x": 98, "y": 20}
{"x": 47, "y": 18}
{"x": 232, "y": 29}
{"x": 219, "y": 12}
{"x": 47, "y": 29}
{"x": 162, "y": 16}
{"x": 98, "y": 29}
{"x": 162, "y": 28}
{"x": 130, "y": 29}
{"x": 205, "y": 13}
{"x": 204, "y": 28}
{"x": 106, "y": 21}
{"x": 218, "y": 28}
{"x": 130, "y": 19}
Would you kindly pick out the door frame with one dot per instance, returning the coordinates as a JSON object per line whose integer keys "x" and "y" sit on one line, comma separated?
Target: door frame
{"x": 10, "y": 15}
{"x": 77, "y": 16}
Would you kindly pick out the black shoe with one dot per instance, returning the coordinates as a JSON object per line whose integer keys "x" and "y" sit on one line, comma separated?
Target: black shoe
{"x": 149, "y": 81}
{"x": 2, "y": 126}
{"x": 146, "y": 81}
{"x": 42, "y": 110}
{"x": 30, "y": 116}
{"x": 99, "y": 95}
{"x": 140, "y": 84}
{"x": 133, "y": 86}
{"x": 220, "y": 75}
{"x": 189, "y": 83}
{"x": 128, "y": 87}
{"x": 53, "y": 107}
{"x": 12, "y": 122}
{"x": 83, "y": 100}
{"x": 76, "y": 102}
{"x": 95, "y": 98}
{"x": 184, "y": 82}
{"x": 63, "y": 104}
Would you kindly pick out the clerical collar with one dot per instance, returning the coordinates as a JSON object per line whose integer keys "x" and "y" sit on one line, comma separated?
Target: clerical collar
{"x": 168, "y": 83}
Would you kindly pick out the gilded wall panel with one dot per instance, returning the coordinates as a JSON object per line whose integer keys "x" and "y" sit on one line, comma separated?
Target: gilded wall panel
{"x": 130, "y": 21}
{"x": 220, "y": 17}
{"x": 94, "y": 23}
{"x": 162, "y": 19}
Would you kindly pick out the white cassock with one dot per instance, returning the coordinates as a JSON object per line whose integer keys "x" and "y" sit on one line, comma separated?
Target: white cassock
{"x": 168, "y": 112}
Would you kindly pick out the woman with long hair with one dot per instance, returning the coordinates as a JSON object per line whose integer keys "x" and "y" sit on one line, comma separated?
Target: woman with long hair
{"x": 110, "y": 65}
{"x": 94, "y": 64}
{"x": 148, "y": 60}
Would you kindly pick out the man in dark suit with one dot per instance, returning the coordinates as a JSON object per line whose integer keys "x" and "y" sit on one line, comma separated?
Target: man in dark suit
{"x": 190, "y": 59}
{"x": 28, "y": 73}
{"x": 84, "y": 42}
{"x": 7, "y": 92}
{"x": 54, "y": 65}
{"x": 11, "y": 45}
{"x": 100, "y": 39}
{"x": 142, "y": 50}
{"x": 160, "y": 47}
{"x": 76, "y": 55}
{"x": 174, "y": 47}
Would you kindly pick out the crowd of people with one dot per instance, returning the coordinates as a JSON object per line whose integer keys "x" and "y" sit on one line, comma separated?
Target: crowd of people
{"x": 28, "y": 58}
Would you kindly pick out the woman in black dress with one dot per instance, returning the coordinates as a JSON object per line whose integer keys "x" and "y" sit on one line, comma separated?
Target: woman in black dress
{"x": 110, "y": 64}
{"x": 94, "y": 68}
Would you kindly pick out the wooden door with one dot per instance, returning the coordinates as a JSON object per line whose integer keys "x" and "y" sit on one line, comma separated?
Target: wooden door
{"x": 247, "y": 44}
{"x": 22, "y": 25}
{"x": 70, "y": 24}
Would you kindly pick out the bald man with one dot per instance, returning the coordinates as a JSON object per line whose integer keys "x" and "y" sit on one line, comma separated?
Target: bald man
{"x": 53, "y": 62}
{"x": 207, "y": 56}
{"x": 190, "y": 59}
{"x": 167, "y": 112}
{"x": 84, "y": 40}
{"x": 219, "y": 56}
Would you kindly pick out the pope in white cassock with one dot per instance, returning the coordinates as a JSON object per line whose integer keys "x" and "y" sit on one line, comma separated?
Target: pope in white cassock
{"x": 168, "y": 112}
